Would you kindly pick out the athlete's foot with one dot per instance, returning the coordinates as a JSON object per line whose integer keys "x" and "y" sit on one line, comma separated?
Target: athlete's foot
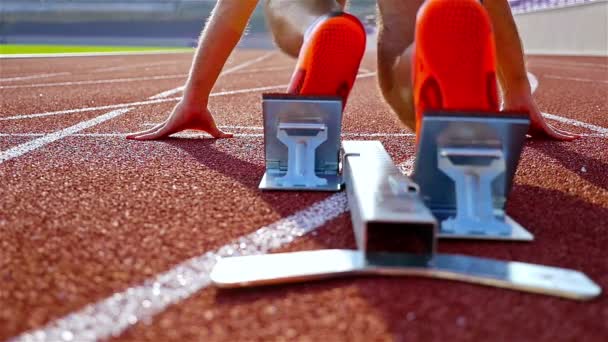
{"x": 330, "y": 57}
{"x": 454, "y": 58}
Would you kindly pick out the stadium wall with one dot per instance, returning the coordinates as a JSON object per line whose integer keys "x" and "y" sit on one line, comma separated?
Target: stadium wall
{"x": 580, "y": 29}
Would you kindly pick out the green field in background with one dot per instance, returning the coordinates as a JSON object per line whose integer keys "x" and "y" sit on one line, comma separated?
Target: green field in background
{"x": 32, "y": 49}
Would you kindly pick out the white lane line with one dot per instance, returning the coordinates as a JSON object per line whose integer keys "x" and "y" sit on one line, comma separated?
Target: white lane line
{"x": 31, "y": 77}
{"x": 577, "y": 79}
{"x": 148, "y": 102}
{"x": 256, "y": 70}
{"x": 238, "y": 67}
{"x": 134, "y": 66}
{"x": 91, "y": 54}
{"x": 202, "y": 135}
{"x": 24, "y": 148}
{"x": 115, "y": 80}
{"x": 573, "y": 64}
{"x": 167, "y": 93}
{"x": 533, "y": 82}
{"x": 136, "y": 104}
{"x": 576, "y": 123}
{"x": 113, "y": 315}
{"x": 257, "y": 128}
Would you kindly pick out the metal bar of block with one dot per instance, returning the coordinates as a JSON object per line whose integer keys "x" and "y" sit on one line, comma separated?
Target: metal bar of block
{"x": 281, "y": 268}
{"x": 386, "y": 210}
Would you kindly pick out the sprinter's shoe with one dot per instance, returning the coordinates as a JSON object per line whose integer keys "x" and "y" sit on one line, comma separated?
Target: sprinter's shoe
{"x": 454, "y": 59}
{"x": 330, "y": 57}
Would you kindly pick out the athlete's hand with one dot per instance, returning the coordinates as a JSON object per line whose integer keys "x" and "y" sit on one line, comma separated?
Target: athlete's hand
{"x": 539, "y": 127}
{"x": 183, "y": 117}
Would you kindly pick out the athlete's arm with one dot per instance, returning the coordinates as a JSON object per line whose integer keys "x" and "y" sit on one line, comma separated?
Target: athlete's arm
{"x": 512, "y": 74}
{"x": 220, "y": 36}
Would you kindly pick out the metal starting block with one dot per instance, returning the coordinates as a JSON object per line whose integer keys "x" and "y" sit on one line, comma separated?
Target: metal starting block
{"x": 396, "y": 235}
{"x": 465, "y": 166}
{"x": 302, "y": 142}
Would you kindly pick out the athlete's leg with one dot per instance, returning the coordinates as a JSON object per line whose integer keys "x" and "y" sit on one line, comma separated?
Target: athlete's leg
{"x": 329, "y": 44}
{"x": 396, "y": 29}
{"x": 289, "y": 19}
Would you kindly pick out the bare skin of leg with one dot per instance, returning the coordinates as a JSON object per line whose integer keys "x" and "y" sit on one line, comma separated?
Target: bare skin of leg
{"x": 288, "y": 20}
{"x": 396, "y": 28}
{"x": 395, "y": 47}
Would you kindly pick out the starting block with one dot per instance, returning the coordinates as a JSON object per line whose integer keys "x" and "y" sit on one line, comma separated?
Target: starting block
{"x": 465, "y": 166}
{"x": 396, "y": 235}
{"x": 302, "y": 142}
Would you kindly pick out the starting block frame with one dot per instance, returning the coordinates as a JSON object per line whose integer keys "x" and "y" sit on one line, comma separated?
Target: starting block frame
{"x": 385, "y": 205}
{"x": 465, "y": 167}
{"x": 302, "y": 142}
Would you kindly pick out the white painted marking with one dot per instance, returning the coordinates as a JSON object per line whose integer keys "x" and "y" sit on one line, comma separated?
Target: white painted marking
{"x": 134, "y": 66}
{"x": 577, "y": 79}
{"x": 576, "y": 123}
{"x": 31, "y": 77}
{"x": 256, "y": 70}
{"x": 74, "y": 83}
{"x": 136, "y": 104}
{"x": 533, "y": 82}
{"x": 148, "y": 102}
{"x": 167, "y": 93}
{"x": 113, "y": 315}
{"x": 193, "y": 135}
{"x": 551, "y": 63}
{"x": 24, "y": 148}
{"x": 240, "y": 66}
{"x": 90, "y": 54}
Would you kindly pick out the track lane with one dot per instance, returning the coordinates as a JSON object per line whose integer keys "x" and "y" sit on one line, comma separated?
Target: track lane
{"x": 311, "y": 310}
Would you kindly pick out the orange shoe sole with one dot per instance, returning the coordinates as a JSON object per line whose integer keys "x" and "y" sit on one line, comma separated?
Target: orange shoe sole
{"x": 454, "y": 59}
{"x": 330, "y": 57}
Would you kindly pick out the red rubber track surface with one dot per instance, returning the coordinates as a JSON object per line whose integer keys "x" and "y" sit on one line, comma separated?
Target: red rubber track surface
{"x": 91, "y": 214}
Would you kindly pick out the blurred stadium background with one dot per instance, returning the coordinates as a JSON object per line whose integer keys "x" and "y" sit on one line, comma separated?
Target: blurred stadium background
{"x": 159, "y": 22}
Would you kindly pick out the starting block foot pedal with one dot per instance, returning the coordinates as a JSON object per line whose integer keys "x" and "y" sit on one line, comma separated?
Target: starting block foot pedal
{"x": 465, "y": 166}
{"x": 302, "y": 142}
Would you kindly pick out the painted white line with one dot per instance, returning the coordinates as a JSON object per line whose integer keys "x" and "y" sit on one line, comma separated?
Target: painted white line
{"x": 136, "y": 104}
{"x": 116, "y": 80}
{"x": 533, "y": 82}
{"x": 577, "y": 79}
{"x": 167, "y": 93}
{"x": 24, "y": 148}
{"x": 148, "y": 102}
{"x": 256, "y": 70}
{"x": 201, "y": 134}
{"x": 113, "y": 315}
{"x": 552, "y": 63}
{"x": 91, "y": 54}
{"x": 31, "y": 77}
{"x": 576, "y": 123}
{"x": 134, "y": 66}
{"x": 240, "y": 66}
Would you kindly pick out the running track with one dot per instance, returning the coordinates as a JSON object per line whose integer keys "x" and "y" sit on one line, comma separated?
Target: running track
{"x": 101, "y": 237}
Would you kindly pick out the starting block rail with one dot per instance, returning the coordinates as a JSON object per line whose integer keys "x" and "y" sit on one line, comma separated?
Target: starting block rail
{"x": 463, "y": 175}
